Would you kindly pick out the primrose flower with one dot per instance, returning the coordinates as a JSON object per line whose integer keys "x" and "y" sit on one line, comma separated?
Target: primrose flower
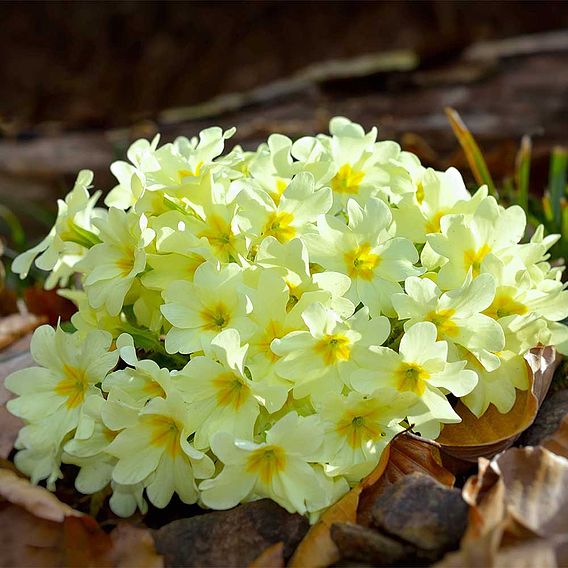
{"x": 355, "y": 171}
{"x": 365, "y": 251}
{"x": 155, "y": 450}
{"x": 298, "y": 207}
{"x": 87, "y": 450}
{"x": 143, "y": 380}
{"x": 323, "y": 358}
{"x": 420, "y": 367}
{"x": 291, "y": 260}
{"x": 279, "y": 468}
{"x": 280, "y": 316}
{"x": 496, "y": 387}
{"x": 72, "y": 234}
{"x": 50, "y": 398}
{"x": 466, "y": 242}
{"x": 456, "y": 314}
{"x": 201, "y": 309}
{"x": 112, "y": 265}
{"x": 132, "y": 177}
{"x": 437, "y": 194}
{"x": 357, "y": 428}
{"x": 220, "y": 397}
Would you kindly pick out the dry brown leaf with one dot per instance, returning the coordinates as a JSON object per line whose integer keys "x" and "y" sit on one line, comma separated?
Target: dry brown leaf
{"x": 272, "y": 557}
{"x": 36, "y": 500}
{"x": 558, "y": 442}
{"x": 474, "y": 437}
{"x": 408, "y": 454}
{"x": 14, "y": 326}
{"x": 317, "y": 548}
{"x": 10, "y": 425}
{"x": 517, "y": 516}
{"x": 133, "y": 547}
{"x": 40, "y": 530}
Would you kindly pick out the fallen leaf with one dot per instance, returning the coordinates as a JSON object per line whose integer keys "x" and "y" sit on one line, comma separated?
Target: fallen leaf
{"x": 133, "y": 547}
{"x": 39, "y": 530}
{"x": 10, "y": 425}
{"x": 36, "y": 500}
{"x": 272, "y": 557}
{"x": 494, "y": 432}
{"x": 318, "y": 548}
{"x": 558, "y": 442}
{"x": 14, "y": 326}
{"x": 517, "y": 515}
{"x": 49, "y": 304}
{"x": 408, "y": 454}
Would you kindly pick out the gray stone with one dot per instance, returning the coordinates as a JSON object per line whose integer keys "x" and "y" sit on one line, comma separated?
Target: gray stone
{"x": 551, "y": 413}
{"x": 419, "y": 510}
{"x": 230, "y": 538}
{"x": 362, "y": 544}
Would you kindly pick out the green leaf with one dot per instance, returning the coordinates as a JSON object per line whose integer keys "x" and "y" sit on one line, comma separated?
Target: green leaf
{"x": 557, "y": 182}
{"x": 523, "y": 168}
{"x": 471, "y": 149}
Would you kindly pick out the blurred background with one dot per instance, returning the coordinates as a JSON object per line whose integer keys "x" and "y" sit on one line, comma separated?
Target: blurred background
{"x": 79, "y": 81}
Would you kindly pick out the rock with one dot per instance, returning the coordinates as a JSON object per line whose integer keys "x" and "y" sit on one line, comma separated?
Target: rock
{"x": 553, "y": 410}
{"x": 230, "y": 538}
{"x": 419, "y": 510}
{"x": 358, "y": 543}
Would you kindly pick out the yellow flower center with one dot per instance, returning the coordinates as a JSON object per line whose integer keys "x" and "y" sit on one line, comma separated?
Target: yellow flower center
{"x": 411, "y": 377}
{"x": 219, "y": 234}
{"x": 126, "y": 262}
{"x": 189, "y": 172}
{"x": 266, "y": 462}
{"x": 279, "y": 226}
{"x": 215, "y": 318}
{"x": 273, "y": 330}
{"x": 166, "y": 433}
{"x": 419, "y": 192}
{"x": 333, "y": 348}
{"x": 443, "y": 322}
{"x": 153, "y": 389}
{"x": 361, "y": 262}
{"x": 504, "y": 305}
{"x": 358, "y": 428}
{"x": 433, "y": 225}
{"x": 281, "y": 186}
{"x": 347, "y": 180}
{"x": 73, "y": 386}
{"x": 231, "y": 391}
{"x": 474, "y": 258}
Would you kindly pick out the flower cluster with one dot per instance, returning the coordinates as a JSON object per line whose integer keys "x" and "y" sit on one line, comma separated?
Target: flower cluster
{"x": 262, "y": 324}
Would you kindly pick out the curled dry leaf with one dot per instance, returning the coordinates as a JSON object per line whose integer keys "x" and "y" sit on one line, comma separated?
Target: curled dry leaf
{"x": 133, "y": 547}
{"x": 34, "y": 499}
{"x": 317, "y": 548}
{"x": 15, "y": 357}
{"x": 558, "y": 442}
{"x": 494, "y": 432}
{"x": 14, "y": 326}
{"x": 408, "y": 454}
{"x": 517, "y": 516}
{"x": 272, "y": 557}
{"x": 40, "y": 530}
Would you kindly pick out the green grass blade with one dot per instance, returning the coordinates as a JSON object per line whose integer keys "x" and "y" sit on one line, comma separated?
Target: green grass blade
{"x": 471, "y": 149}
{"x": 14, "y": 226}
{"x": 557, "y": 182}
{"x": 522, "y": 174}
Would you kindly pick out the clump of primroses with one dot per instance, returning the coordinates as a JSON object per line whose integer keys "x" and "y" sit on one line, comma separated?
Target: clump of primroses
{"x": 262, "y": 324}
